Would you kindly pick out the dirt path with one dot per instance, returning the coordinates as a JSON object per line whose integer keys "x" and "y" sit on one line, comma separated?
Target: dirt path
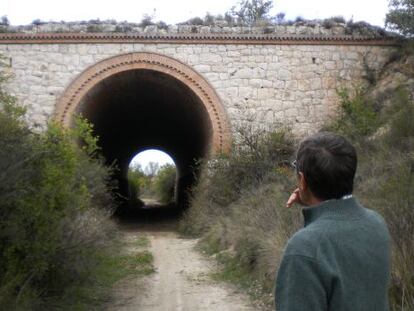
{"x": 181, "y": 281}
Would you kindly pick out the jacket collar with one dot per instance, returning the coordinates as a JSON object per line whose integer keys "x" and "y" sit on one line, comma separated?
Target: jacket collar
{"x": 345, "y": 209}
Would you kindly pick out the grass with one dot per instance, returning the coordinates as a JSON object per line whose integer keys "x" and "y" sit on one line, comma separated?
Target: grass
{"x": 238, "y": 205}
{"x": 230, "y": 271}
{"x": 141, "y": 241}
{"x": 112, "y": 268}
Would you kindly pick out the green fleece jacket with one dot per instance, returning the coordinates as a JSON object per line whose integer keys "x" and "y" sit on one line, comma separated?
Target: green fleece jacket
{"x": 339, "y": 261}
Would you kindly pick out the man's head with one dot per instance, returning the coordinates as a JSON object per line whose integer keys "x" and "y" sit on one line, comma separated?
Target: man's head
{"x": 326, "y": 163}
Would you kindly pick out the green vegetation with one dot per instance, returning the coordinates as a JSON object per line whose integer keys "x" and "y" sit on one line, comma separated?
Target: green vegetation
{"x": 153, "y": 182}
{"x": 238, "y": 208}
{"x": 138, "y": 183}
{"x": 59, "y": 249}
{"x": 385, "y": 179}
{"x": 401, "y": 16}
{"x": 164, "y": 183}
{"x": 236, "y": 212}
{"x": 250, "y": 12}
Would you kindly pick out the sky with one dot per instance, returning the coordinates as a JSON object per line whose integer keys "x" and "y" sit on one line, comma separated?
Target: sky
{"x": 22, "y": 12}
{"x": 151, "y": 155}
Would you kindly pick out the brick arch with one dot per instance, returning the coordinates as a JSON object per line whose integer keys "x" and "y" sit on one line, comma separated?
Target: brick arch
{"x": 76, "y": 91}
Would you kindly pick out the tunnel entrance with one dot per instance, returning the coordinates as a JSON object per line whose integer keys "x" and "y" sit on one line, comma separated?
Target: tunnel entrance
{"x": 140, "y": 109}
{"x": 140, "y": 101}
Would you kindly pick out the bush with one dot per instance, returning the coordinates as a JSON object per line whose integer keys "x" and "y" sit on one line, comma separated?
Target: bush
{"x": 55, "y": 205}
{"x": 359, "y": 116}
{"x": 238, "y": 205}
{"x": 147, "y": 20}
{"x": 4, "y": 21}
{"x": 165, "y": 183}
{"x": 38, "y": 22}
{"x": 94, "y": 28}
{"x": 197, "y": 21}
{"x": 257, "y": 158}
{"x": 54, "y": 211}
{"x": 249, "y": 12}
{"x": 137, "y": 182}
{"x": 328, "y": 23}
{"x": 385, "y": 178}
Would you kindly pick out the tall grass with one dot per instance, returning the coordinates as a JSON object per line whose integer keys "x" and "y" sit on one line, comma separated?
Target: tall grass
{"x": 238, "y": 206}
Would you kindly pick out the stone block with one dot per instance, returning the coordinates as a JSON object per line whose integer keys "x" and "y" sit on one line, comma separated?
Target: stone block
{"x": 244, "y": 73}
{"x": 284, "y": 74}
{"x": 202, "y": 68}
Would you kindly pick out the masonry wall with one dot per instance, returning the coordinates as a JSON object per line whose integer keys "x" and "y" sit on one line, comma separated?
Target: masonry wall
{"x": 263, "y": 84}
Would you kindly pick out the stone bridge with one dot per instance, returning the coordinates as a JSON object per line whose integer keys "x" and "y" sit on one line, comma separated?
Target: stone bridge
{"x": 184, "y": 93}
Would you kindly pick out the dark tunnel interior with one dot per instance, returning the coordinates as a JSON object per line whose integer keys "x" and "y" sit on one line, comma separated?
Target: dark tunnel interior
{"x": 136, "y": 110}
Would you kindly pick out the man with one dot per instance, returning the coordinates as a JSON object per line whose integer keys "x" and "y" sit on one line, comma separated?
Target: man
{"x": 340, "y": 260}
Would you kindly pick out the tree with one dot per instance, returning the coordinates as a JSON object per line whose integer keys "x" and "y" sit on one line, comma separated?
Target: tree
{"x": 4, "y": 21}
{"x": 137, "y": 181}
{"x": 147, "y": 20}
{"x": 152, "y": 169}
{"x": 165, "y": 183}
{"x": 401, "y": 17}
{"x": 250, "y": 12}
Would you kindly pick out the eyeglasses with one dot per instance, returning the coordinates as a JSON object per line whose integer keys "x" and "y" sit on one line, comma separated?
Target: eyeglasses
{"x": 294, "y": 165}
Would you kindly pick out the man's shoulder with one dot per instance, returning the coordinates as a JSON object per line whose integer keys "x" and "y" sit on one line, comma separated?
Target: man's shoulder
{"x": 377, "y": 224}
{"x": 375, "y": 216}
{"x": 304, "y": 242}
{"x": 315, "y": 237}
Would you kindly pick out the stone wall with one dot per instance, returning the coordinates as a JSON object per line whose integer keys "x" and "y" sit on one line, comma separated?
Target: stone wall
{"x": 327, "y": 27}
{"x": 265, "y": 84}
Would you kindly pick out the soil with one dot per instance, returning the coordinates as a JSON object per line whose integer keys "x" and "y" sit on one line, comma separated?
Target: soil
{"x": 182, "y": 279}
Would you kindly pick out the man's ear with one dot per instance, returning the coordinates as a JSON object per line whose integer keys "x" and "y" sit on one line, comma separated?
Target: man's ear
{"x": 303, "y": 186}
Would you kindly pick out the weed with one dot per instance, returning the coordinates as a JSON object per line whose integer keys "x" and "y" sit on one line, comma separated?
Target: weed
{"x": 238, "y": 205}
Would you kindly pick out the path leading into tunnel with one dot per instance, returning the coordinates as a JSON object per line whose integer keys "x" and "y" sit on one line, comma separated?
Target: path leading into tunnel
{"x": 181, "y": 282}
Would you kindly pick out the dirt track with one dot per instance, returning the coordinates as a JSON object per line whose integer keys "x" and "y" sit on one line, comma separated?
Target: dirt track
{"x": 181, "y": 282}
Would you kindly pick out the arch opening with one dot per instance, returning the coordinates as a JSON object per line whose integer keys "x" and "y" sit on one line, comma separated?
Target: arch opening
{"x": 152, "y": 179}
{"x": 140, "y": 109}
{"x": 145, "y": 100}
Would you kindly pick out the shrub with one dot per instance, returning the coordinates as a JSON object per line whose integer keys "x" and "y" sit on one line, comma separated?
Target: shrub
{"x": 209, "y": 19}
{"x": 165, "y": 183}
{"x": 249, "y": 12}
{"x": 94, "y": 28}
{"x": 238, "y": 207}
{"x": 279, "y": 18}
{"x": 4, "y": 21}
{"x": 197, "y": 21}
{"x": 147, "y": 20}
{"x": 55, "y": 205}
{"x": 385, "y": 177}
{"x": 54, "y": 213}
{"x": 257, "y": 158}
{"x": 136, "y": 181}
{"x": 162, "y": 25}
{"x": 328, "y": 23}
{"x": 359, "y": 116}
{"x": 38, "y": 22}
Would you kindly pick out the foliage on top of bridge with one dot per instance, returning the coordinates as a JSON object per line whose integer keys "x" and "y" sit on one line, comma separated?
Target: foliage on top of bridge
{"x": 335, "y": 26}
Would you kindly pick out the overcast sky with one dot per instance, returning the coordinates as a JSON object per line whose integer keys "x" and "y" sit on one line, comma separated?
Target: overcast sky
{"x": 175, "y": 11}
{"x": 151, "y": 155}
